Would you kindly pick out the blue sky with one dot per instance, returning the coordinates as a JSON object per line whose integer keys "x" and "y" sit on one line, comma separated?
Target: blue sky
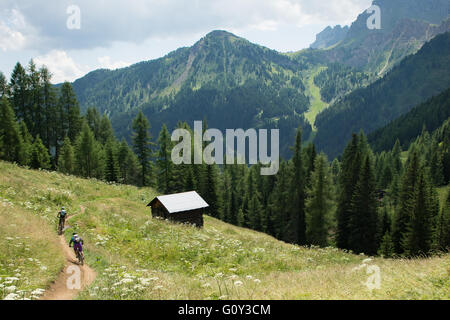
{"x": 117, "y": 33}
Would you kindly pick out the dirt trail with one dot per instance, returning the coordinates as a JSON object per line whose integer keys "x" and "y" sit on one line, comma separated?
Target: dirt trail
{"x": 59, "y": 289}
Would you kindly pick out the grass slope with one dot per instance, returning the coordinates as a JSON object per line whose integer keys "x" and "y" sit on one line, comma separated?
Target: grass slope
{"x": 137, "y": 257}
{"x": 312, "y": 91}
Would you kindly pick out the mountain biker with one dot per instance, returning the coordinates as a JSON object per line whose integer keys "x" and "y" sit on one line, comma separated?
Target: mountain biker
{"x": 77, "y": 243}
{"x": 62, "y": 216}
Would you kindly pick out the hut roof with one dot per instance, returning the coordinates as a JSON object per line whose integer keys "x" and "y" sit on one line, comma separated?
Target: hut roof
{"x": 179, "y": 202}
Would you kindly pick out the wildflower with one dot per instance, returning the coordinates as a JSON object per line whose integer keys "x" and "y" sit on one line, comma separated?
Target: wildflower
{"x": 11, "y": 288}
{"x": 206, "y": 285}
{"x": 12, "y": 279}
{"x": 238, "y": 283}
{"x": 11, "y": 296}
{"x": 249, "y": 277}
{"x": 126, "y": 280}
{"x": 257, "y": 281}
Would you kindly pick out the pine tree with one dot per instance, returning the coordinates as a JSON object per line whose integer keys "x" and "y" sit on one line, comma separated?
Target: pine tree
{"x": 40, "y": 159}
{"x": 396, "y": 158}
{"x": 310, "y": 155}
{"x": 335, "y": 170}
{"x": 66, "y": 161}
{"x": 88, "y": 155}
{"x": 142, "y": 146}
{"x": 386, "y": 249}
{"x": 240, "y": 218}
{"x": 443, "y": 227}
{"x": 36, "y": 125}
{"x": 348, "y": 178}
{"x": 254, "y": 212}
{"x": 93, "y": 120}
{"x": 111, "y": 166}
{"x": 27, "y": 143}
{"x": 4, "y": 87}
{"x": 128, "y": 164}
{"x": 279, "y": 203}
{"x": 297, "y": 185}
{"x": 436, "y": 167}
{"x": 164, "y": 162}
{"x": 19, "y": 85}
{"x": 406, "y": 198}
{"x": 417, "y": 238}
{"x": 212, "y": 195}
{"x": 12, "y": 143}
{"x": 49, "y": 106}
{"x": 106, "y": 131}
{"x": 364, "y": 212}
{"x": 319, "y": 204}
{"x": 69, "y": 107}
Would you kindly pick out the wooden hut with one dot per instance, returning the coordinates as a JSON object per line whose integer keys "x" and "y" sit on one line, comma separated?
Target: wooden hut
{"x": 187, "y": 207}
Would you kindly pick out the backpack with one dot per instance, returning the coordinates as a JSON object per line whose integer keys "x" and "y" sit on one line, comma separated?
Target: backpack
{"x": 63, "y": 213}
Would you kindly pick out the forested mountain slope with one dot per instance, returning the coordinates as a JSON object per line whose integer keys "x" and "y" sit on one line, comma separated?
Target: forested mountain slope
{"x": 429, "y": 115}
{"x": 414, "y": 80}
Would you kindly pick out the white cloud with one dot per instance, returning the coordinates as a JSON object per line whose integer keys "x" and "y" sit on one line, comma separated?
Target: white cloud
{"x": 61, "y": 65}
{"x": 11, "y": 24}
{"x": 106, "y": 63}
{"x": 106, "y": 22}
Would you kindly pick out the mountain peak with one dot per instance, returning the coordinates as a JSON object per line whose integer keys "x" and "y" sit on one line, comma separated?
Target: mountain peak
{"x": 220, "y": 34}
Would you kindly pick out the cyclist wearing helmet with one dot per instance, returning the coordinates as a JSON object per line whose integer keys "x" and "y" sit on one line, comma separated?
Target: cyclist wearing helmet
{"x": 62, "y": 216}
{"x": 77, "y": 243}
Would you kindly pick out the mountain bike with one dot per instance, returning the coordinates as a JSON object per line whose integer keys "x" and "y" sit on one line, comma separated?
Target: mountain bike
{"x": 80, "y": 257}
{"x": 61, "y": 226}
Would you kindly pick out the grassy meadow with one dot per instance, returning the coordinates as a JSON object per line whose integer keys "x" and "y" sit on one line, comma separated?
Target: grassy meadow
{"x": 137, "y": 257}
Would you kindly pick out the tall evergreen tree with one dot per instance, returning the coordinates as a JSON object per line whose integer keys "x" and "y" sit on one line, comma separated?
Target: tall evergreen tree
{"x": 70, "y": 112}
{"x": 364, "y": 212}
{"x": 66, "y": 161}
{"x": 443, "y": 227}
{"x": 319, "y": 204}
{"x": 111, "y": 165}
{"x": 164, "y": 161}
{"x": 40, "y": 158}
{"x": 19, "y": 86}
{"x": 88, "y": 155}
{"x": 12, "y": 143}
{"x": 417, "y": 239}
{"x": 143, "y": 146}
{"x": 406, "y": 198}
{"x": 106, "y": 131}
{"x": 4, "y": 87}
{"x": 348, "y": 178}
{"x": 297, "y": 184}
{"x": 27, "y": 142}
{"x": 212, "y": 195}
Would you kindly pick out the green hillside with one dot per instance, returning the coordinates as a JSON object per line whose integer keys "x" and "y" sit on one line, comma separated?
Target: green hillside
{"x": 137, "y": 257}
